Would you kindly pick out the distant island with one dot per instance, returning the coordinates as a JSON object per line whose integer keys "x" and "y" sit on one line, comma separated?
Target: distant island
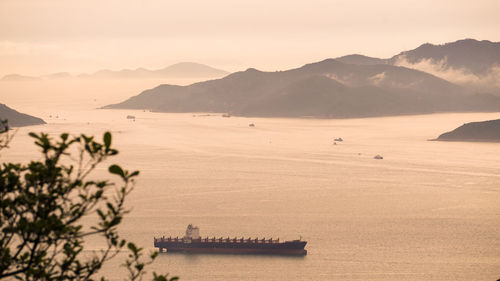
{"x": 17, "y": 119}
{"x": 346, "y": 87}
{"x": 474, "y": 131}
{"x": 18, "y": 77}
{"x": 178, "y": 70}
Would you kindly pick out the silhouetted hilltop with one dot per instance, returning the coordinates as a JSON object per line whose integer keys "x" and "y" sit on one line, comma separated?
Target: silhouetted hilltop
{"x": 360, "y": 59}
{"x": 475, "y": 131}
{"x": 179, "y": 70}
{"x": 17, "y": 119}
{"x": 475, "y": 56}
{"x": 190, "y": 69}
{"x": 326, "y": 89}
{"x": 58, "y": 75}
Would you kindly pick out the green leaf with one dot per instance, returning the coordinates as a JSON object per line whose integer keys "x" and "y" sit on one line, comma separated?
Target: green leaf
{"x": 101, "y": 214}
{"x": 117, "y": 170}
{"x": 154, "y": 255}
{"x": 132, "y": 247}
{"x": 107, "y": 139}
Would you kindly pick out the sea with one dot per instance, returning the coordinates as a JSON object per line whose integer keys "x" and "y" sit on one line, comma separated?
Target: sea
{"x": 427, "y": 211}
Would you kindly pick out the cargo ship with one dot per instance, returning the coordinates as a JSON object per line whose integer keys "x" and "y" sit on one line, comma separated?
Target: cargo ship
{"x": 192, "y": 242}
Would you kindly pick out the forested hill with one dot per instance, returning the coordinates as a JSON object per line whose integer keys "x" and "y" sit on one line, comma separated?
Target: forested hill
{"x": 17, "y": 119}
{"x": 475, "y": 131}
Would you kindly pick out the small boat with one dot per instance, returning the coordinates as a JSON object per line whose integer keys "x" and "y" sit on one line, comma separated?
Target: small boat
{"x": 338, "y": 139}
{"x": 378, "y": 156}
{"x": 251, "y": 125}
{"x": 130, "y": 117}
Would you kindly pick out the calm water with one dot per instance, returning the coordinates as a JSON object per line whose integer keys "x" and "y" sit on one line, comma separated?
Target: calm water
{"x": 427, "y": 211}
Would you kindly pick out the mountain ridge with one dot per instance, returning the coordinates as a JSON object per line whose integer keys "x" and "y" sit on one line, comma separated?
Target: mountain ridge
{"x": 474, "y": 55}
{"x": 177, "y": 70}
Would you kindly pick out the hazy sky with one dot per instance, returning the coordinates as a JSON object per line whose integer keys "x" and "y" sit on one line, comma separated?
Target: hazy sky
{"x": 44, "y": 36}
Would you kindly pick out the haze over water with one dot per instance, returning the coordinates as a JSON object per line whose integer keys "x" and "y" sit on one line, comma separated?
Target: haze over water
{"x": 427, "y": 211}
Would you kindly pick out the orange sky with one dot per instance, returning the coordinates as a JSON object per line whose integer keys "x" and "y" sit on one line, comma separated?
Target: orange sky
{"x": 40, "y": 37}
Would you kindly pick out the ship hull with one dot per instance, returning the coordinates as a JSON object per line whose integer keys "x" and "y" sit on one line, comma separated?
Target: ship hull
{"x": 237, "y": 251}
{"x": 293, "y": 248}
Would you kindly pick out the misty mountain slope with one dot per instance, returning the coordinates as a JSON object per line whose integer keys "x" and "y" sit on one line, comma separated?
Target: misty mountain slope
{"x": 17, "y": 119}
{"x": 381, "y": 75}
{"x": 474, "y": 131}
{"x": 476, "y": 56}
{"x": 328, "y": 88}
{"x": 469, "y": 63}
{"x": 320, "y": 96}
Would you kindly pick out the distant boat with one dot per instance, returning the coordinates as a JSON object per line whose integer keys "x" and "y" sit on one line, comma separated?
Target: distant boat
{"x": 378, "y": 156}
{"x": 338, "y": 139}
{"x": 251, "y": 125}
{"x": 227, "y": 115}
{"x": 130, "y": 117}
